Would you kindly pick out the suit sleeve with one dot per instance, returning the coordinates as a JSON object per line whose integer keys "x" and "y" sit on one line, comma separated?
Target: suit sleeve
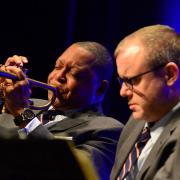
{"x": 101, "y": 146}
{"x": 40, "y": 132}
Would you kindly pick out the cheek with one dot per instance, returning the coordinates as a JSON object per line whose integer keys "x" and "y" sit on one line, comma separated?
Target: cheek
{"x": 50, "y": 76}
{"x": 82, "y": 90}
{"x": 152, "y": 97}
{"x": 75, "y": 89}
{"x": 155, "y": 90}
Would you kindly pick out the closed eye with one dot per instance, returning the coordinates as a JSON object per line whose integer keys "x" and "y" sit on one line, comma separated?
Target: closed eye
{"x": 134, "y": 80}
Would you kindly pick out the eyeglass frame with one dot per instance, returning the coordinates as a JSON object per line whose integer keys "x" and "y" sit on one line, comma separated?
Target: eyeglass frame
{"x": 129, "y": 81}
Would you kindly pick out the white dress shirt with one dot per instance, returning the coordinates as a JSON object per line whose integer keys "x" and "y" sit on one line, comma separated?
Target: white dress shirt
{"x": 155, "y": 132}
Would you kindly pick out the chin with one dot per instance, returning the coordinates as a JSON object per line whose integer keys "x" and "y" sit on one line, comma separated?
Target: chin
{"x": 137, "y": 116}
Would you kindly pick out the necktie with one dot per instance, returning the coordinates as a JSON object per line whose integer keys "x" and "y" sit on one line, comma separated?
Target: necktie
{"x": 135, "y": 153}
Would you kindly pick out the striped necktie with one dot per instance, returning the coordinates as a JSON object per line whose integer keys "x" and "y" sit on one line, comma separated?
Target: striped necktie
{"x": 135, "y": 153}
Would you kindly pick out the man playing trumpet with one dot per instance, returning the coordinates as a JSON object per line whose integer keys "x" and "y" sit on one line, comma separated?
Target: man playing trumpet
{"x": 81, "y": 75}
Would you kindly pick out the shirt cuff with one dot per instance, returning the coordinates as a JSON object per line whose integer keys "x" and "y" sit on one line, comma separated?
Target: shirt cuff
{"x": 30, "y": 126}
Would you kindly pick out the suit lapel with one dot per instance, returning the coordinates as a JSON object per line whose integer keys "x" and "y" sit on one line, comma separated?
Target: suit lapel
{"x": 68, "y": 123}
{"x": 154, "y": 153}
{"x": 133, "y": 131}
{"x": 159, "y": 145}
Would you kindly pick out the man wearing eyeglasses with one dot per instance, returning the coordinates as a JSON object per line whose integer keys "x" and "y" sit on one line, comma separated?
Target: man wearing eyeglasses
{"x": 148, "y": 65}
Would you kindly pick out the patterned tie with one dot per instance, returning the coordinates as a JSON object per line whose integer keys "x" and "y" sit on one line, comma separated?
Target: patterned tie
{"x": 135, "y": 153}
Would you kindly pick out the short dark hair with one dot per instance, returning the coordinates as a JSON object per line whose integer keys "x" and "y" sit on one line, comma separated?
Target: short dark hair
{"x": 103, "y": 64}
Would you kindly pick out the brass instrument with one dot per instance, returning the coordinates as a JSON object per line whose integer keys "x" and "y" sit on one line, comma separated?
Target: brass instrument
{"x": 34, "y": 83}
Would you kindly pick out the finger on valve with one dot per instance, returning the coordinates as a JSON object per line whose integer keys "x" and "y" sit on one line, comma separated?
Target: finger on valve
{"x": 16, "y": 60}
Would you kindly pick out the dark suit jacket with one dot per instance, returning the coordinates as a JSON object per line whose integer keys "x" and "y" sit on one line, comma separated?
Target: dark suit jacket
{"x": 91, "y": 131}
{"x": 176, "y": 163}
{"x": 158, "y": 164}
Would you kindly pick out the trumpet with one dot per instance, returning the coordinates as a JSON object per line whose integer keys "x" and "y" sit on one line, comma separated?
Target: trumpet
{"x": 34, "y": 83}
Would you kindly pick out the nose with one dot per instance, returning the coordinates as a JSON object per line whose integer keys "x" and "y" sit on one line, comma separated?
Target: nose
{"x": 58, "y": 75}
{"x": 125, "y": 91}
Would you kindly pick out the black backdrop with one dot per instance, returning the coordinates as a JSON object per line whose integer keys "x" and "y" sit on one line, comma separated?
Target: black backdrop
{"x": 42, "y": 29}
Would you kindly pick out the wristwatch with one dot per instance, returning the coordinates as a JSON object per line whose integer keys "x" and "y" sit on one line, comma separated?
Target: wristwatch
{"x": 26, "y": 117}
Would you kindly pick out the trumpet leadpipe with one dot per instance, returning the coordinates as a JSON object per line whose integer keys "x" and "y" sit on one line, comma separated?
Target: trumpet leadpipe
{"x": 34, "y": 83}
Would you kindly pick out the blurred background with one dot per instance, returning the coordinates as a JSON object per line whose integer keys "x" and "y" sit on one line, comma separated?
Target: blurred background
{"x": 42, "y": 29}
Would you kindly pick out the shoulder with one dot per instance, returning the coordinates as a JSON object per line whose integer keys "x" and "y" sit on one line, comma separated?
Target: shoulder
{"x": 105, "y": 122}
{"x": 103, "y": 127}
{"x": 6, "y": 121}
{"x": 96, "y": 127}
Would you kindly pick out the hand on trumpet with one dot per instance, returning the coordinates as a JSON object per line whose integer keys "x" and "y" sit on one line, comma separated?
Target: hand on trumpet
{"x": 13, "y": 79}
{"x": 17, "y": 61}
{"x": 16, "y": 93}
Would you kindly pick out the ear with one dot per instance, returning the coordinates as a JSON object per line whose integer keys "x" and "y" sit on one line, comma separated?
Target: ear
{"x": 102, "y": 88}
{"x": 172, "y": 73}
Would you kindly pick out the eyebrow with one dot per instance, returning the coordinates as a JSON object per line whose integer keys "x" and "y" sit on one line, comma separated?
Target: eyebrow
{"x": 77, "y": 66}
{"x": 125, "y": 77}
{"x": 59, "y": 61}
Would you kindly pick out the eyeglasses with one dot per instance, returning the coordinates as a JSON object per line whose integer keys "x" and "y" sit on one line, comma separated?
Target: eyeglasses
{"x": 130, "y": 82}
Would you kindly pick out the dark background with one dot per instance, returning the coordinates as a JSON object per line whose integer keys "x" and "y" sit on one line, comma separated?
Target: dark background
{"x": 42, "y": 29}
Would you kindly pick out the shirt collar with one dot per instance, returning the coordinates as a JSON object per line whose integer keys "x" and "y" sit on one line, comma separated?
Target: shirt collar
{"x": 164, "y": 120}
